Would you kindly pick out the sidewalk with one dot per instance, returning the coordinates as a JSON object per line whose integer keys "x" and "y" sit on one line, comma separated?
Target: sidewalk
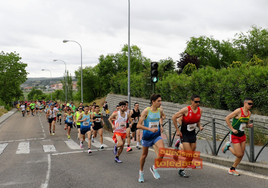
{"x": 4, "y": 117}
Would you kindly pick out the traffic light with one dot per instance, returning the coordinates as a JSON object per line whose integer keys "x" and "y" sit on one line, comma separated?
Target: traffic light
{"x": 154, "y": 72}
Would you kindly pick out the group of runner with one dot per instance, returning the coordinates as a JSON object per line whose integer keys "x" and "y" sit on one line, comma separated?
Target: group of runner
{"x": 33, "y": 107}
{"x": 89, "y": 120}
{"x": 187, "y": 119}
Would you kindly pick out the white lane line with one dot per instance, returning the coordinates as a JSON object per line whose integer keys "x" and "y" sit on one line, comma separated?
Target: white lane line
{"x": 64, "y": 153}
{"x": 45, "y": 185}
{"x": 72, "y": 145}
{"x": 29, "y": 139}
{"x": 109, "y": 139}
{"x": 23, "y": 148}
{"x": 2, "y": 147}
{"x": 240, "y": 171}
{"x": 43, "y": 130}
{"x": 49, "y": 148}
{"x": 97, "y": 144}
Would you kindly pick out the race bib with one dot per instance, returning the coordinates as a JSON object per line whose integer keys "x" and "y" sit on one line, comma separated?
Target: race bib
{"x": 70, "y": 120}
{"x": 154, "y": 125}
{"x": 242, "y": 126}
{"x": 98, "y": 120}
{"x": 122, "y": 124}
{"x": 86, "y": 123}
{"x": 191, "y": 127}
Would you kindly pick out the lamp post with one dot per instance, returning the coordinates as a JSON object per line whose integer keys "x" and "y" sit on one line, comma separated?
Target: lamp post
{"x": 50, "y": 79}
{"x": 129, "y": 102}
{"x": 65, "y": 78}
{"x": 65, "y": 41}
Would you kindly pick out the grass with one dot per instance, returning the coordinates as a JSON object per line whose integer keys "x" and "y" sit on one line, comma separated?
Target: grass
{"x": 99, "y": 102}
{"x": 2, "y": 111}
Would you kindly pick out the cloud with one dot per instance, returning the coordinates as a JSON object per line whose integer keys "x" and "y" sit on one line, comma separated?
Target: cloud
{"x": 35, "y": 29}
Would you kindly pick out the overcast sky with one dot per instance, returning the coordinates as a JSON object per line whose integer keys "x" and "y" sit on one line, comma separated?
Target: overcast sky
{"x": 36, "y": 28}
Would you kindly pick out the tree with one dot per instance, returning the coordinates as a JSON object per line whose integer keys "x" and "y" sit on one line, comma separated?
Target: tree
{"x": 36, "y": 94}
{"x": 211, "y": 52}
{"x": 255, "y": 42}
{"x": 185, "y": 60}
{"x": 69, "y": 86}
{"x": 166, "y": 66}
{"x": 12, "y": 75}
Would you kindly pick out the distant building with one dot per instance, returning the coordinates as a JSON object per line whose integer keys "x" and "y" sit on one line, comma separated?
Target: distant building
{"x": 60, "y": 86}
{"x": 28, "y": 88}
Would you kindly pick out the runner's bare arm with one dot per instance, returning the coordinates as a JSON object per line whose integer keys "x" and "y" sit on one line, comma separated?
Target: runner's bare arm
{"x": 102, "y": 119}
{"x": 111, "y": 118}
{"x": 161, "y": 121}
{"x": 131, "y": 112}
{"x": 234, "y": 114}
{"x": 142, "y": 118}
{"x": 80, "y": 117}
{"x": 199, "y": 123}
{"x": 179, "y": 114}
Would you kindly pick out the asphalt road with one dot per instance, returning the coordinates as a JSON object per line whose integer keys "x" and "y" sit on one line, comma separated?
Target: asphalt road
{"x": 30, "y": 157}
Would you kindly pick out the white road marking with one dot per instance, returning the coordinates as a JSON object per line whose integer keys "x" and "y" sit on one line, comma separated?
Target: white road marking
{"x": 49, "y": 148}
{"x": 45, "y": 185}
{"x": 23, "y": 148}
{"x": 72, "y": 145}
{"x": 64, "y": 153}
{"x": 43, "y": 130}
{"x": 2, "y": 147}
{"x": 97, "y": 144}
{"x": 29, "y": 139}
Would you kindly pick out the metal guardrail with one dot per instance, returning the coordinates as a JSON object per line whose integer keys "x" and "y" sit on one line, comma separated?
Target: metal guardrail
{"x": 214, "y": 149}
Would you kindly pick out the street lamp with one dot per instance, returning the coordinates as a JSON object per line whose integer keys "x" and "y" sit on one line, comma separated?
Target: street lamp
{"x": 50, "y": 79}
{"x": 65, "y": 78}
{"x": 65, "y": 41}
{"x": 129, "y": 102}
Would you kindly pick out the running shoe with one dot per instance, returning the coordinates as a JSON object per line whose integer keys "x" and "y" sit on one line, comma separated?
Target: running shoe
{"x": 53, "y": 133}
{"x": 233, "y": 172}
{"x": 225, "y": 147}
{"x": 141, "y": 177}
{"x": 177, "y": 144}
{"x": 183, "y": 174}
{"x": 89, "y": 151}
{"x": 68, "y": 136}
{"x": 92, "y": 139}
{"x": 129, "y": 149}
{"x": 117, "y": 160}
{"x": 155, "y": 173}
{"x": 138, "y": 147}
{"x": 81, "y": 145}
{"x": 101, "y": 147}
{"x": 115, "y": 149}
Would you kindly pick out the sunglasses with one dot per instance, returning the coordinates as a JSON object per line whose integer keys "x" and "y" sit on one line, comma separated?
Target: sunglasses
{"x": 249, "y": 103}
{"x": 68, "y": 110}
{"x": 197, "y": 101}
{"x": 79, "y": 108}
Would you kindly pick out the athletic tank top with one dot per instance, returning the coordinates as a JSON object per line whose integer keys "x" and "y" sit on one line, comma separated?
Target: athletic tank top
{"x": 121, "y": 123}
{"x": 77, "y": 114}
{"x": 190, "y": 121}
{"x": 69, "y": 118}
{"x": 240, "y": 123}
{"x": 86, "y": 123}
{"x": 98, "y": 118}
{"x": 134, "y": 115}
{"x": 51, "y": 114}
{"x": 151, "y": 121}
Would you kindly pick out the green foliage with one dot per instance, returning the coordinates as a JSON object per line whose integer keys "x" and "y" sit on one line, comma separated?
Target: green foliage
{"x": 67, "y": 79}
{"x": 36, "y": 94}
{"x": 235, "y": 64}
{"x": 255, "y": 61}
{"x": 189, "y": 68}
{"x": 12, "y": 75}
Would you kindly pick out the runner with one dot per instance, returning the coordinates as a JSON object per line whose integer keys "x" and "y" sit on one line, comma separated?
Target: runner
{"x": 152, "y": 118}
{"x": 80, "y": 105}
{"x": 240, "y": 121}
{"x": 85, "y": 128}
{"x": 32, "y": 106}
{"x": 40, "y": 107}
{"x": 59, "y": 113}
{"x": 77, "y": 115}
{"x": 51, "y": 114}
{"x": 69, "y": 120}
{"x": 119, "y": 128}
{"x": 191, "y": 116}
{"x": 135, "y": 115}
{"x": 96, "y": 119}
{"x": 28, "y": 109}
{"x": 18, "y": 106}
{"x": 22, "y": 108}
{"x": 128, "y": 130}
{"x": 36, "y": 107}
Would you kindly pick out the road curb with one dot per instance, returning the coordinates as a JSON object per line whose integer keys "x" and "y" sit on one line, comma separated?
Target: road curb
{"x": 7, "y": 115}
{"x": 253, "y": 167}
